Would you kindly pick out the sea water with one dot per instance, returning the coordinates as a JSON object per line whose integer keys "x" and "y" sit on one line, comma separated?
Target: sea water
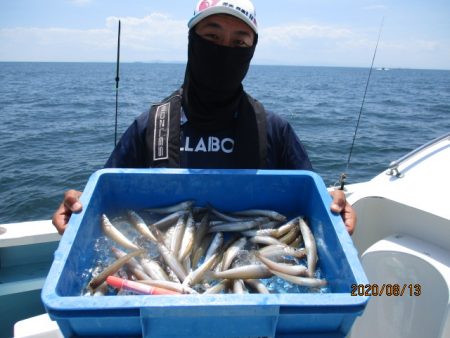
{"x": 57, "y": 120}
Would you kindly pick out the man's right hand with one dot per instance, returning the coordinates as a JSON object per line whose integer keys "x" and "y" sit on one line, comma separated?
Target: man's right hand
{"x": 69, "y": 205}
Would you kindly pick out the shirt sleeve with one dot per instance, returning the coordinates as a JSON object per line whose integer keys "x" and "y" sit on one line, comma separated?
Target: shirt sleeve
{"x": 131, "y": 151}
{"x": 284, "y": 148}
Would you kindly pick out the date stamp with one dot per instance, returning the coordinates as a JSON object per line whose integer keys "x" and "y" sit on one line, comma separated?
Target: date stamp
{"x": 395, "y": 290}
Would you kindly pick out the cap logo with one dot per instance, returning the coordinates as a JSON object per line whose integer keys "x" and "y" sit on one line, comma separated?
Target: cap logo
{"x": 207, "y": 3}
{"x": 243, "y": 11}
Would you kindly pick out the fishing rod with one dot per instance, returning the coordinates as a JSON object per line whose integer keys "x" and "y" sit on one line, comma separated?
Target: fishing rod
{"x": 344, "y": 175}
{"x": 117, "y": 84}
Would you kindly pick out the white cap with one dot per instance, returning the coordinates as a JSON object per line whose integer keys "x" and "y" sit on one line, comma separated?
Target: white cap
{"x": 241, "y": 9}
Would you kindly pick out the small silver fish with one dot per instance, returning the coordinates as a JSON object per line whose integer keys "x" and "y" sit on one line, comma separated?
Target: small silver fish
{"x": 114, "y": 234}
{"x": 310, "y": 246}
{"x": 239, "y": 226}
{"x": 270, "y": 225}
{"x": 282, "y": 250}
{"x": 215, "y": 245}
{"x": 177, "y": 235}
{"x": 187, "y": 242}
{"x": 273, "y": 215}
{"x": 257, "y": 285}
{"x": 172, "y": 261}
{"x": 265, "y": 240}
{"x": 200, "y": 232}
{"x": 172, "y": 276}
{"x": 262, "y": 232}
{"x": 169, "y": 285}
{"x": 187, "y": 264}
{"x": 153, "y": 269}
{"x": 101, "y": 290}
{"x": 303, "y": 281}
{"x": 168, "y": 235}
{"x": 252, "y": 271}
{"x": 200, "y": 250}
{"x": 168, "y": 256}
{"x": 169, "y": 220}
{"x": 296, "y": 270}
{"x": 133, "y": 265}
{"x": 196, "y": 276}
{"x": 224, "y": 217}
{"x": 231, "y": 253}
{"x": 111, "y": 269}
{"x": 297, "y": 242}
{"x": 217, "y": 288}
{"x": 172, "y": 208}
{"x": 285, "y": 228}
{"x": 290, "y": 236}
{"x": 140, "y": 225}
{"x": 239, "y": 287}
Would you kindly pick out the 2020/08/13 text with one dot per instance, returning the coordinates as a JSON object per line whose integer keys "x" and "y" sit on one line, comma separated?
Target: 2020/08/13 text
{"x": 386, "y": 289}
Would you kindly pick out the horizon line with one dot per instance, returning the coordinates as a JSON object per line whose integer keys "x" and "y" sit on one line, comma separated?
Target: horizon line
{"x": 253, "y": 64}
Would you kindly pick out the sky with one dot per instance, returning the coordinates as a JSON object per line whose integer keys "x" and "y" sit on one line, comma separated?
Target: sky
{"x": 414, "y": 33}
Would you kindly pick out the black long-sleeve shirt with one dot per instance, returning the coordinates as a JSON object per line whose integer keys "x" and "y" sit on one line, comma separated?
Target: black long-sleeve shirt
{"x": 212, "y": 149}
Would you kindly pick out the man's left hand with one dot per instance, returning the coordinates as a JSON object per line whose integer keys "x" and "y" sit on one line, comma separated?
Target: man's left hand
{"x": 342, "y": 207}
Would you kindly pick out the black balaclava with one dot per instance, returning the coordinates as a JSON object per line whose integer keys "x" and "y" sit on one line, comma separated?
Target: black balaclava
{"x": 212, "y": 90}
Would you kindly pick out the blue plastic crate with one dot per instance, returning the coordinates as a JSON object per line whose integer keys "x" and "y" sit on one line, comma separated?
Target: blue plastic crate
{"x": 225, "y": 315}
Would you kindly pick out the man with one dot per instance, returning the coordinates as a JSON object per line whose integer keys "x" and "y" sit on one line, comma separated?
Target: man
{"x": 211, "y": 122}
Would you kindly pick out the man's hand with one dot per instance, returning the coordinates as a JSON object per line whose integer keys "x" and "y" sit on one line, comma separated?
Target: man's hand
{"x": 69, "y": 205}
{"x": 342, "y": 207}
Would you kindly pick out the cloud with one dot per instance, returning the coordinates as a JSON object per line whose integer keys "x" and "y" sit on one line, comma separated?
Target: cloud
{"x": 297, "y": 43}
{"x": 159, "y": 37}
{"x": 411, "y": 53}
{"x": 288, "y": 35}
{"x": 155, "y": 32}
{"x": 51, "y": 44}
{"x": 153, "y": 37}
{"x": 327, "y": 45}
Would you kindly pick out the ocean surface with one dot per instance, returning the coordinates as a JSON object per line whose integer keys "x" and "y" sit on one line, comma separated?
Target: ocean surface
{"x": 57, "y": 120}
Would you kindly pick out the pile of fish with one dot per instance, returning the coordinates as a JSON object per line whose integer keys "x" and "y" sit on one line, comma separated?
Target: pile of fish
{"x": 201, "y": 250}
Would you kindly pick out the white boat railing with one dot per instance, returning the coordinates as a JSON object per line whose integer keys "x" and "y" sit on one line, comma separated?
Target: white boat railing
{"x": 393, "y": 167}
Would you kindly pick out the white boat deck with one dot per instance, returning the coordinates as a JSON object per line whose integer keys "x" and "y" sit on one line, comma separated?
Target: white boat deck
{"x": 430, "y": 173}
{"x": 25, "y": 270}
{"x": 403, "y": 237}
{"x": 24, "y": 233}
{"x": 415, "y": 203}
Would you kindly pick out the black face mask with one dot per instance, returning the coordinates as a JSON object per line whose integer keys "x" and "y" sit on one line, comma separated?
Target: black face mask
{"x": 212, "y": 88}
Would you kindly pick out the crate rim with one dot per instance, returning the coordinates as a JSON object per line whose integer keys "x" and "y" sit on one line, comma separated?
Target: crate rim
{"x": 53, "y": 301}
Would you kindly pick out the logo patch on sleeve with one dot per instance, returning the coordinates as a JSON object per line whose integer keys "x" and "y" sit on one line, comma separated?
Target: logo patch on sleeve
{"x": 162, "y": 133}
